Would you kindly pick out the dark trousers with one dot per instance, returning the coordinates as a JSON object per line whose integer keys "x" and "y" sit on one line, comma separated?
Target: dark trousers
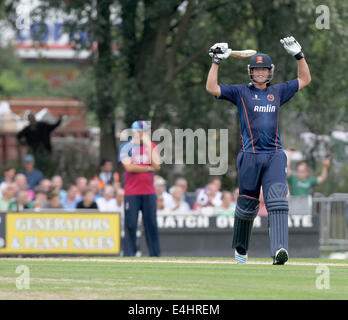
{"x": 262, "y": 169}
{"x": 148, "y": 206}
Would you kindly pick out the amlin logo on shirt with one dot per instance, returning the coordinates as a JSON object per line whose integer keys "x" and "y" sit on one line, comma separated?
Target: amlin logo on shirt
{"x": 268, "y": 108}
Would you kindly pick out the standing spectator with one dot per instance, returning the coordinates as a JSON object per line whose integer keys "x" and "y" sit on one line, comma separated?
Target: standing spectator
{"x": 140, "y": 159}
{"x": 227, "y": 207}
{"x": 106, "y": 174}
{"x": 9, "y": 175}
{"x": 33, "y": 175}
{"x": 7, "y": 195}
{"x": 182, "y": 183}
{"x": 21, "y": 202}
{"x": 107, "y": 202}
{"x": 178, "y": 204}
{"x": 301, "y": 184}
{"x": 87, "y": 201}
{"x": 70, "y": 201}
{"x": 57, "y": 184}
{"x": 21, "y": 182}
{"x": 37, "y": 135}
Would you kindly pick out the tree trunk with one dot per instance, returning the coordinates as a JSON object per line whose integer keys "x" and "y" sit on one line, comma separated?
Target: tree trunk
{"x": 105, "y": 82}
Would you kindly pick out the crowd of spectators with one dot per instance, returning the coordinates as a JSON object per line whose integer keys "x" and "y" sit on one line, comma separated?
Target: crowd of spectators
{"x": 30, "y": 189}
{"x": 209, "y": 200}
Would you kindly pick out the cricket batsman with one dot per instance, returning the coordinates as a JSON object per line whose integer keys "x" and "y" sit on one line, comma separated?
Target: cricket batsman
{"x": 261, "y": 160}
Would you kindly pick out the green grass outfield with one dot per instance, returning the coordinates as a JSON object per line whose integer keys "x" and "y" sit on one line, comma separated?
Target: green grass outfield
{"x": 171, "y": 278}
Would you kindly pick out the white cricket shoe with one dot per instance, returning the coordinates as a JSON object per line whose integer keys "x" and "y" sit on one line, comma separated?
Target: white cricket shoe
{"x": 240, "y": 258}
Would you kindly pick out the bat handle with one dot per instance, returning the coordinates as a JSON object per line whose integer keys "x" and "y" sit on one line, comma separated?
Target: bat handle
{"x": 217, "y": 50}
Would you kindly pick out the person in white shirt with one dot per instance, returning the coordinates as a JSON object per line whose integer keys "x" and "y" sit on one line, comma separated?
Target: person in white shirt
{"x": 161, "y": 189}
{"x": 107, "y": 202}
{"x": 177, "y": 203}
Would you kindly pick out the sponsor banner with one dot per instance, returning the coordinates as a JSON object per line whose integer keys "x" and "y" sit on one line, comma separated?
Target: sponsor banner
{"x": 60, "y": 233}
{"x": 192, "y": 221}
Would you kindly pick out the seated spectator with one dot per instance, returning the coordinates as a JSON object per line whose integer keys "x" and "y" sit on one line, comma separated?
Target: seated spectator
{"x": 161, "y": 189}
{"x": 45, "y": 185}
{"x": 33, "y": 175}
{"x": 227, "y": 207}
{"x": 217, "y": 182}
{"x": 208, "y": 197}
{"x": 107, "y": 202}
{"x": 106, "y": 174}
{"x": 182, "y": 183}
{"x": 7, "y": 197}
{"x": 120, "y": 201}
{"x": 40, "y": 200}
{"x": 235, "y": 195}
{"x": 177, "y": 203}
{"x": 81, "y": 184}
{"x": 9, "y": 175}
{"x": 262, "y": 210}
{"x": 21, "y": 202}
{"x": 21, "y": 182}
{"x": 53, "y": 201}
{"x": 160, "y": 203}
{"x": 70, "y": 201}
{"x": 57, "y": 184}
{"x": 87, "y": 201}
{"x": 94, "y": 185}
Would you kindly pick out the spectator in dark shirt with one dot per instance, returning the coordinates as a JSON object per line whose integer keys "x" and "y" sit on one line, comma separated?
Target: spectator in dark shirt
{"x": 37, "y": 135}
{"x": 87, "y": 201}
{"x": 34, "y": 176}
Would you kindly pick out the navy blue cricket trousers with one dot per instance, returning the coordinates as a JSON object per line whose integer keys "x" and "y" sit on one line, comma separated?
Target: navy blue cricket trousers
{"x": 148, "y": 205}
{"x": 260, "y": 169}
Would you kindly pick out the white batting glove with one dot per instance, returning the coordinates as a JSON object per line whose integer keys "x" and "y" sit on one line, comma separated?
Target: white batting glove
{"x": 219, "y": 51}
{"x": 292, "y": 47}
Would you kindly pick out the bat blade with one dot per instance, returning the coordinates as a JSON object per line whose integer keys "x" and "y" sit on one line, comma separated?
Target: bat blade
{"x": 243, "y": 53}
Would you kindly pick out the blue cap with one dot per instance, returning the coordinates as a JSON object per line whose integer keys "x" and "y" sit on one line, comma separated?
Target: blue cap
{"x": 28, "y": 158}
{"x": 141, "y": 125}
{"x": 260, "y": 60}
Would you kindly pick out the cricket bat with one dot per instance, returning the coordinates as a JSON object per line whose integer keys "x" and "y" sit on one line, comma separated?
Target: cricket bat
{"x": 237, "y": 53}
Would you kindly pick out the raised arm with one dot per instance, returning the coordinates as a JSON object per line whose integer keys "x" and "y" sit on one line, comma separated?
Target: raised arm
{"x": 324, "y": 171}
{"x": 212, "y": 81}
{"x": 212, "y": 85}
{"x": 289, "y": 161}
{"x": 294, "y": 48}
{"x": 303, "y": 74}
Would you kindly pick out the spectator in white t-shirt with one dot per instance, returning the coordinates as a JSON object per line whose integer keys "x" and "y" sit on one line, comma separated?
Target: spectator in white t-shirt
{"x": 107, "y": 202}
{"x": 161, "y": 189}
{"x": 177, "y": 203}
